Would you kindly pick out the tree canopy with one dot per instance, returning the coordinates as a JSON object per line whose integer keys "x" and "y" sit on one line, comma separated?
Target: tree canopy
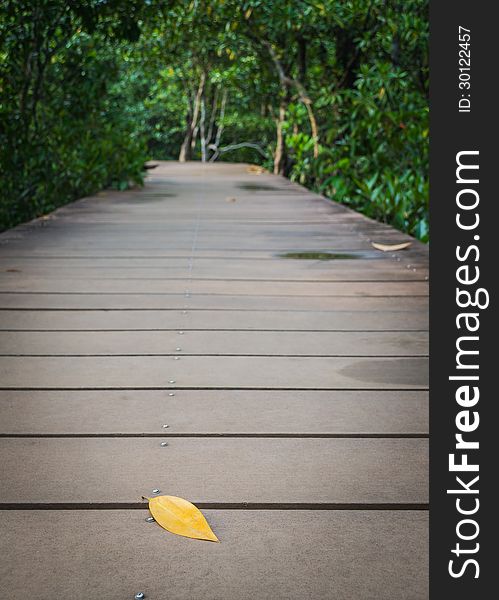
{"x": 331, "y": 93}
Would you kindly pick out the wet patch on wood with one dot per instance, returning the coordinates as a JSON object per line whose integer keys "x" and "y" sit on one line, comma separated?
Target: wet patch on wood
{"x": 319, "y": 255}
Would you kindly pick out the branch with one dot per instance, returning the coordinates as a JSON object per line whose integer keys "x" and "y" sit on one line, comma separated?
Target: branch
{"x": 213, "y": 114}
{"x": 220, "y": 127}
{"x": 230, "y": 147}
{"x": 202, "y": 129}
{"x": 288, "y": 82}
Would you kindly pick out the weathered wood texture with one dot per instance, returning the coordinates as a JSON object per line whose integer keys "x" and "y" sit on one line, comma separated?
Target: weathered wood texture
{"x": 289, "y": 384}
{"x": 263, "y": 554}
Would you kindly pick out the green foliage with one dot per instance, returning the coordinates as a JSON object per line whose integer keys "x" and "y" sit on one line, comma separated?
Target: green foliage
{"x": 64, "y": 132}
{"x": 358, "y": 67}
{"x": 378, "y": 160}
{"x": 333, "y": 94}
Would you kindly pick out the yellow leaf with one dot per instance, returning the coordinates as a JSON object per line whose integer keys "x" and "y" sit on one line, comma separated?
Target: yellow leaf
{"x": 179, "y": 516}
{"x": 255, "y": 169}
{"x": 391, "y": 247}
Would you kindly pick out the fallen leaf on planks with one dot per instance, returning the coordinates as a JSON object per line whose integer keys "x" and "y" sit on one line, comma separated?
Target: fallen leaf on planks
{"x": 391, "y": 247}
{"x": 179, "y": 516}
{"x": 230, "y": 199}
{"x": 256, "y": 169}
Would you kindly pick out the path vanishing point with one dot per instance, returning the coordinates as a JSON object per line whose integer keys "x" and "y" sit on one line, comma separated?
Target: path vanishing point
{"x": 291, "y": 392}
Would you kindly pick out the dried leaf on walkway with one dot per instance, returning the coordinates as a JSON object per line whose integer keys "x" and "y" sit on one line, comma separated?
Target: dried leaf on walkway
{"x": 256, "y": 169}
{"x": 179, "y": 516}
{"x": 230, "y": 199}
{"x": 391, "y": 247}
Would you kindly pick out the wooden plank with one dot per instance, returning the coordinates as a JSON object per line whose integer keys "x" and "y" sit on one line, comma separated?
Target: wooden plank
{"x": 263, "y": 554}
{"x": 214, "y": 470}
{"x": 131, "y": 270}
{"x": 144, "y": 244}
{"x": 187, "y": 318}
{"x": 414, "y": 307}
{"x": 28, "y": 249}
{"x": 214, "y": 259}
{"x": 258, "y": 343}
{"x": 210, "y": 229}
{"x": 214, "y": 372}
{"x": 228, "y": 270}
{"x": 213, "y": 233}
{"x": 231, "y": 287}
{"x": 219, "y": 412}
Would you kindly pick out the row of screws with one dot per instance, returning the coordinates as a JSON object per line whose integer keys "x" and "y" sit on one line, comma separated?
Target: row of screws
{"x": 156, "y": 491}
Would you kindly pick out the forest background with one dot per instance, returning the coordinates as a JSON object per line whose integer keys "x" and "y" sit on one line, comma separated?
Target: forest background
{"x": 332, "y": 94}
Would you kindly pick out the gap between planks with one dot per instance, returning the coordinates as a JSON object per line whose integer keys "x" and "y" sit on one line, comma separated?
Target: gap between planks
{"x": 194, "y": 294}
{"x": 351, "y": 435}
{"x": 218, "y": 506}
{"x": 425, "y": 355}
{"x": 171, "y": 389}
{"x": 196, "y": 309}
{"x": 176, "y": 329}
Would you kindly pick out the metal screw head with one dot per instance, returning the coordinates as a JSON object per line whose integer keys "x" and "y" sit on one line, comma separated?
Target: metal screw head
{"x": 165, "y": 426}
{"x": 178, "y": 349}
{"x": 139, "y": 596}
{"x": 171, "y": 394}
{"x": 172, "y": 381}
{"x": 178, "y": 357}
{"x": 184, "y": 312}
{"x": 181, "y": 333}
{"x": 156, "y": 491}
{"x": 164, "y": 444}
{"x": 150, "y": 520}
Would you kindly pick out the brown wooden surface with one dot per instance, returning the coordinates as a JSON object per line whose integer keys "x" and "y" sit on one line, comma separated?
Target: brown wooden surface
{"x": 297, "y": 387}
{"x": 263, "y": 554}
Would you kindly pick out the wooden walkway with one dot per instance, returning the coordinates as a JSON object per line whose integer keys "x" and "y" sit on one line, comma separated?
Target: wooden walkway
{"x": 292, "y": 393}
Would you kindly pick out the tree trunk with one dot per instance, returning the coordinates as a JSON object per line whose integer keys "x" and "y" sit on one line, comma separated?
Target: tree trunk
{"x": 202, "y": 132}
{"x": 280, "y": 146}
{"x": 194, "y": 137}
{"x": 213, "y": 115}
{"x": 220, "y": 129}
{"x": 288, "y": 83}
{"x": 313, "y": 126}
{"x": 185, "y": 149}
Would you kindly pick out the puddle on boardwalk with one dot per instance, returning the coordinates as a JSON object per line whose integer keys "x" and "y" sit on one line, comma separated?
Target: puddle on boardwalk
{"x": 258, "y": 187}
{"x": 319, "y": 256}
{"x": 145, "y": 199}
{"x": 404, "y": 372}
